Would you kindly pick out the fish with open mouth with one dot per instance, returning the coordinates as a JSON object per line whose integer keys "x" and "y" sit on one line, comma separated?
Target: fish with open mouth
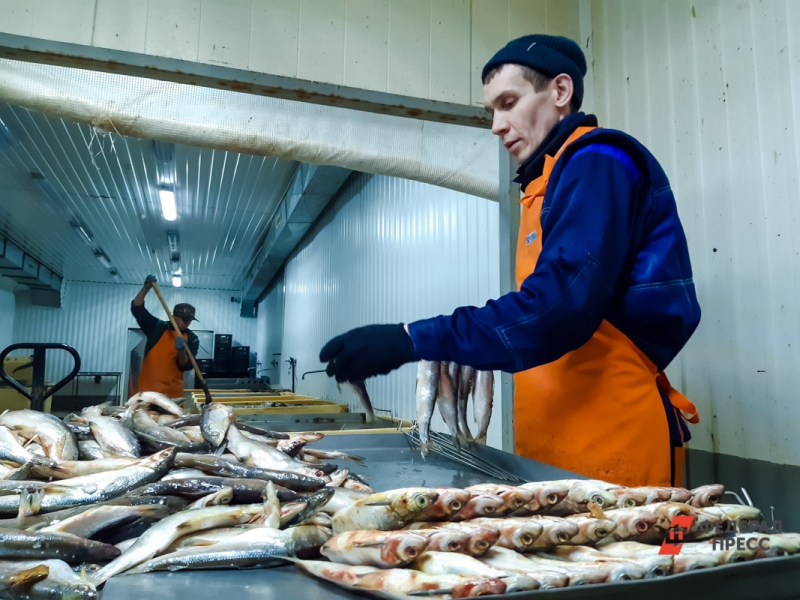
{"x": 384, "y": 511}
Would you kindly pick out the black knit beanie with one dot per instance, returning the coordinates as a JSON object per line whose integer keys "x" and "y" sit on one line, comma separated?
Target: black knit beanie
{"x": 551, "y": 55}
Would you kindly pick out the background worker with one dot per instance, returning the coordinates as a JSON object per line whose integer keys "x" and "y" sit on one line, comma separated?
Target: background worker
{"x": 165, "y": 357}
{"x": 606, "y": 298}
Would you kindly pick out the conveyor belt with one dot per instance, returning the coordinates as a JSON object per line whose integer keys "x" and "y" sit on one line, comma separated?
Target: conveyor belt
{"x": 392, "y": 464}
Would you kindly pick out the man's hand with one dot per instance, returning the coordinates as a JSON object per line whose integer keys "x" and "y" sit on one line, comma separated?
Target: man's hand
{"x": 367, "y": 351}
{"x": 148, "y": 282}
{"x": 180, "y": 344}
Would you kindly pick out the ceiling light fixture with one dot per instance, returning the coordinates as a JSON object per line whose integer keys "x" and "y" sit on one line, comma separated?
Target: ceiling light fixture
{"x": 101, "y": 256}
{"x": 5, "y": 133}
{"x": 176, "y": 281}
{"x": 82, "y": 232}
{"x": 168, "y": 207}
{"x": 172, "y": 238}
{"x": 114, "y": 274}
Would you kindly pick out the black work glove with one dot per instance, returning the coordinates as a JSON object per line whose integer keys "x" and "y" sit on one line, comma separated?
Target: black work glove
{"x": 367, "y": 351}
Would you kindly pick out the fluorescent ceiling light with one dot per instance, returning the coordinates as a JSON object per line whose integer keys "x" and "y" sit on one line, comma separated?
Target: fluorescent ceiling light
{"x": 168, "y": 208}
{"x": 100, "y": 255}
{"x": 176, "y": 281}
{"x": 5, "y": 133}
{"x": 172, "y": 238}
{"x": 82, "y": 232}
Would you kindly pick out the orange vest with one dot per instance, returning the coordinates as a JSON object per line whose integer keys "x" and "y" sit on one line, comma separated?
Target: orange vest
{"x": 596, "y": 410}
{"x": 160, "y": 372}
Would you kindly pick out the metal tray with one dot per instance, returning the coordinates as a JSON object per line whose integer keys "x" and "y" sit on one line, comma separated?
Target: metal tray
{"x": 391, "y": 463}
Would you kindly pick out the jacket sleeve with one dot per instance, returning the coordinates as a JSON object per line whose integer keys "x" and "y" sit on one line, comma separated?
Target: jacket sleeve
{"x": 586, "y": 236}
{"x": 147, "y": 322}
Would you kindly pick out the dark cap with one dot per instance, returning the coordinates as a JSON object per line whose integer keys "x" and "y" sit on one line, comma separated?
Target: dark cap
{"x": 184, "y": 311}
{"x": 550, "y": 55}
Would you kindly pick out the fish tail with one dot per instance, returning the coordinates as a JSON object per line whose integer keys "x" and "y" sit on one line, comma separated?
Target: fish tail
{"x": 28, "y": 577}
{"x": 481, "y": 439}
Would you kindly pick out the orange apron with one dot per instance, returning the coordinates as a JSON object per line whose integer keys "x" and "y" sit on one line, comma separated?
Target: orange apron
{"x": 596, "y": 410}
{"x": 160, "y": 372}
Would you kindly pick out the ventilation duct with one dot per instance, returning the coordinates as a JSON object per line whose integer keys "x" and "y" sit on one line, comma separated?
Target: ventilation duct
{"x": 17, "y": 265}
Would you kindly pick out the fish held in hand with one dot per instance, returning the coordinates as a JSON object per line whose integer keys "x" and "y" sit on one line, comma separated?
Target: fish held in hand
{"x": 426, "y": 392}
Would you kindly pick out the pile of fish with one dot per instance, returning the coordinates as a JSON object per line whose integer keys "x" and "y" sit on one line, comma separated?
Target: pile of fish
{"x": 493, "y": 539}
{"x": 146, "y": 487}
{"x": 450, "y": 386}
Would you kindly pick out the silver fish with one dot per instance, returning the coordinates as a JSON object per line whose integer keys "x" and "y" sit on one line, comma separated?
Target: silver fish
{"x": 256, "y": 547}
{"x": 334, "y": 455}
{"x": 12, "y": 450}
{"x": 217, "y": 466}
{"x": 218, "y": 498}
{"x": 466, "y": 385}
{"x": 447, "y": 563}
{"x": 70, "y": 469}
{"x": 163, "y": 533}
{"x": 60, "y": 582}
{"x": 97, "y": 518}
{"x": 360, "y": 390}
{"x": 376, "y": 548}
{"x": 155, "y": 399}
{"x": 103, "y": 486}
{"x": 509, "y": 560}
{"x": 426, "y": 392}
{"x": 215, "y": 421}
{"x": 52, "y": 433}
{"x": 447, "y": 397}
{"x": 482, "y": 400}
{"x": 385, "y": 511}
{"x": 90, "y": 450}
{"x": 114, "y": 438}
{"x": 144, "y": 424}
{"x": 342, "y": 498}
{"x": 16, "y": 544}
{"x": 256, "y": 454}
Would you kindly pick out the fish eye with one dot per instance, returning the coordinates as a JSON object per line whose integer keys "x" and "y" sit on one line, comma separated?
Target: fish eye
{"x": 659, "y": 572}
{"x": 481, "y": 544}
{"x": 526, "y": 539}
{"x": 455, "y": 505}
{"x": 562, "y": 537}
{"x": 597, "y": 498}
{"x": 625, "y": 577}
{"x": 641, "y": 526}
{"x": 601, "y": 532}
{"x": 411, "y": 551}
{"x": 422, "y": 500}
{"x": 551, "y": 498}
{"x": 489, "y": 509}
{"x": 453, "y": 547}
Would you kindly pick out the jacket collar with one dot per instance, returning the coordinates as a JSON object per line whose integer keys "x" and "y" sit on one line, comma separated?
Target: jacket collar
{"x": 532, "y": 167}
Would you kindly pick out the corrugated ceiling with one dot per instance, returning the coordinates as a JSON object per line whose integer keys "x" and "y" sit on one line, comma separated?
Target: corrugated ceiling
{"x": 109, "y": 184}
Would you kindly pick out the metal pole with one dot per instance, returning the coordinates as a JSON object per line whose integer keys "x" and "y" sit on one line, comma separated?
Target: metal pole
{"x": 509, "y": 229}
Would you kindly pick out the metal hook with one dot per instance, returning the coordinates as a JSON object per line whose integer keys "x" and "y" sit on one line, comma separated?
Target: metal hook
{"x": 736, "y": 495}
{"x": 310, "y": 372}
{"x": 746, "y": 495}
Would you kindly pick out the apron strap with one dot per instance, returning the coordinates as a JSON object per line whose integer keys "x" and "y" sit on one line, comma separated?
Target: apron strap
{"x": 681, "y": 403}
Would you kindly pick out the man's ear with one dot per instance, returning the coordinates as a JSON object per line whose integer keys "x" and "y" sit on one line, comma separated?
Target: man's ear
{"x": 563, "y": 89}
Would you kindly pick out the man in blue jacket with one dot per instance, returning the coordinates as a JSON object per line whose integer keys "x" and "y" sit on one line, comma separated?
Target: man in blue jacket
{"x": 606, "y": 298}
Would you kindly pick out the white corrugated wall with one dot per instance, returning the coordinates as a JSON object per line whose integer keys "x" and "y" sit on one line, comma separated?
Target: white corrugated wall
{"x": 713, "y": 88}
{"x": 270, "y": 333}
{"x": 387, "y": 251}
{"x": 6, "y": 315}
{"x": 95, "y": 317}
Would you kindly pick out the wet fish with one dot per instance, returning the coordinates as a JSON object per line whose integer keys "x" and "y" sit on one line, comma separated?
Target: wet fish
{"x": 450, "y": 501}
{"x": 703, "y": 526}
{"x": 166, "y": 531}
{"x": 426, "y": 393}
{"x": 447, "y": 397}
{"x": 90, "y": 450}
{"x": 52, "y": 433}
{"x": 144, "y": 425}
{"x": 375, "y": 548}
{"x": 342, "y": 498}
{"x": 591, "y": 529}
{"x": 114, "y": 438}
{"x": 256, "y": 454}
{"x": 101, "y": 487}
{"x": 517, "y": 534}
{"x": 466, "y": 384}
{"x": 655, "y": 566}
{"x": 692, "y": 557}
{"x": 385, "y": 511}
{"x": 97, "y": 518}
{"x": 219, "y": 498}
{"x": 217, "y": 466}
{"x": 446, "y": 540}
{"x": 513, "y": 497}
{"x": 481, "y": 538}
{"x": 155, "y": 399}
{"x": 69, "y": 469}
{"x": 215, "y": 422}
{"x": 313, "y": 503}
{"x": 480, "y": 505}
{"x": 403, "y": 581}
{"x": 353, "y": 482}
{"x": 581, "y": 493}
{"x": 333, "y": 455}
{"x": 593, "y": 572}
{"x": 12, "y": 450}
{"x": 445, "y": 563}
{"x": 482, "y": 400}
{"x": 245, "y": 491}
{"x": 184, "y": 421}
{"x": 546, "y": 494}
{"x": 278, "y": 435}
{"x": 509, "y": 560}
{"x": 288, "y": 447}
{"x": 633, "y": 524}
{"x": 735, "y": 515}
{"x": 706, "y": 495}
{"x": 360, "y": 390}
{"x": 16, "y": 544}
{"x": 60, "y": 581}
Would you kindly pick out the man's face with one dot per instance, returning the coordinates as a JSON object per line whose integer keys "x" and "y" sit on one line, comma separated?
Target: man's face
{"x": 521, "y": 116}
{"x": 183, "y": 324}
